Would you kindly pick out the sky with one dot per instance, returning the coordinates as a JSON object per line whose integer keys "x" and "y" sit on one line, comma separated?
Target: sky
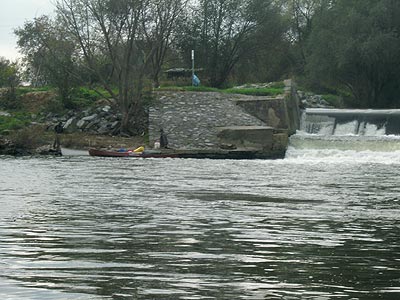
{"x": 13, "y": 14}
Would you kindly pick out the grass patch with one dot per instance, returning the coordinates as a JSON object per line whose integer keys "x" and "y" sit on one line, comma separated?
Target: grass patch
{"x": 267, "y": 91}
{"x": 255, "y": 91}
{"x": 91, "y": 94}
{"x": 189, "y": 89}
{"x": 25, "y": 90}
{"x": 83, "y": 97}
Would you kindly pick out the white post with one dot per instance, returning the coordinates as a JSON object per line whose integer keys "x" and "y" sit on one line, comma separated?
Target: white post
{"x": 192, "y": 65}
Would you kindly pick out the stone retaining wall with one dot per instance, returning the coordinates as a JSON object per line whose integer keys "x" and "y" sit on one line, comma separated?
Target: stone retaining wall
{"x": 279, "y": 112}
{"x": 191, "y": 119}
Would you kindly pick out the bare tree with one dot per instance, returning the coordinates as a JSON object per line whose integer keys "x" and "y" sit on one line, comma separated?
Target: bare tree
{"x": 159, "y": 31}
{"x": 108, "y": 33}
{"x": 124, "y": 37}
{"x": 221, "y": 32}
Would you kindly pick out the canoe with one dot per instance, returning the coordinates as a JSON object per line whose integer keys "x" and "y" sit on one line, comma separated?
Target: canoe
{"x": 198, "y": 154}
{"x": 145, "y": 154}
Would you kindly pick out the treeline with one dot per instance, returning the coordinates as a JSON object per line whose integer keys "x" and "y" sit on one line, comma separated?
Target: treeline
{"x": 346, "y": 47}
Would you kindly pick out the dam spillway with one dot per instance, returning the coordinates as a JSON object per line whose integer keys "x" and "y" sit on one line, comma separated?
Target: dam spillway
{"x": 351, "y": 122}
{"x": 348, "y": 129}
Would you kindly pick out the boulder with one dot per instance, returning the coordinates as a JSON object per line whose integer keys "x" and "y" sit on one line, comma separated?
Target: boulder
{"x": 81, "y": 123}
{"x": 106, "y": 108}
{"x": 4, "y": 113}
{"x": 47, "y": 150}
{"x": 89, "y": 118}
{"x": 69, "y": 122}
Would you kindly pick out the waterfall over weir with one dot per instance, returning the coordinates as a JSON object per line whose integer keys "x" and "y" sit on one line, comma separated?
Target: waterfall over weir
{"x": 345, "y": 129}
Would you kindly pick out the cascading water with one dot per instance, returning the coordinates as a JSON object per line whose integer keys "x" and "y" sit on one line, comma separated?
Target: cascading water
{"x": 351, "y": 122}
{"x": 325, "y": 130}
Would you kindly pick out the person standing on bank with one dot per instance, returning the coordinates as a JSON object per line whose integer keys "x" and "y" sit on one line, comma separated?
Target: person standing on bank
{"x": 58, "y": 130}
{"x": 163, "y": 139}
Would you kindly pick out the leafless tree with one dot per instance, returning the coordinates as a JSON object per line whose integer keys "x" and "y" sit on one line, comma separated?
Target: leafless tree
{"x": 123, "y": 37}
{"x": 159, "y": 31}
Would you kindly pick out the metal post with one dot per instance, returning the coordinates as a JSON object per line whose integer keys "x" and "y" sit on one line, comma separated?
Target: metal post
{"x": 192, "y": 66}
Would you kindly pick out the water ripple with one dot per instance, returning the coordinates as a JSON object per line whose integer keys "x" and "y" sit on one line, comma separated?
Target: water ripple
{"x": 86, "y": 228}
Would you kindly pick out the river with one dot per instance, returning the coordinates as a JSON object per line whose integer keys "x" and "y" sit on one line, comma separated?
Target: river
{"x": 315, "y": 225}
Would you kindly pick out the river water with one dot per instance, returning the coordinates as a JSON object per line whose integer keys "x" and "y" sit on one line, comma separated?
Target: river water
{"x": 315, "y": 225}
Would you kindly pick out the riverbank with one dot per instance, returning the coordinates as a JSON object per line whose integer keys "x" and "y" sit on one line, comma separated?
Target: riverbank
{"x": 42, "y": 143}
{"x": 193, "y": 120}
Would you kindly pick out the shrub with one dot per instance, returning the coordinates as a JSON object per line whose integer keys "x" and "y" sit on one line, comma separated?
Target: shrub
{"x": 9, "y": 123}
{"x": 28, "y": 137}
{"x": 10, "y": 100}
{"x": 334, "y": 100}
{"x": 54, "y": 106}
{"x": 83, "y": 97}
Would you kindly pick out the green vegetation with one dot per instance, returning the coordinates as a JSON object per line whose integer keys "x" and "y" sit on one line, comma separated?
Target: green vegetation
{"x": 346, "y": 50}
{"x": 13, "y": 122}
{"x": 255, "y": 91}
{"x": 82, "y": 97}
{"x": 189, "y": 88}
{"x": 353, "y": 45}
{"x": 22, "y": 90}
{"x": 268, "y": 91}
{"x": 333, "y": 100}
{"x": 93, "y": 94}
{"x": 31, "y": 137}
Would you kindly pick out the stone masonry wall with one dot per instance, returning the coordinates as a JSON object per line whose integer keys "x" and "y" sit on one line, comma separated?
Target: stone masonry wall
{"x": 278, "y": 112}
{"x": 191, "y": 119}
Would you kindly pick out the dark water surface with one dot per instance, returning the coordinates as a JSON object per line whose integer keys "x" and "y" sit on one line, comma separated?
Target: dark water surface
{"x": 299, "y": 228}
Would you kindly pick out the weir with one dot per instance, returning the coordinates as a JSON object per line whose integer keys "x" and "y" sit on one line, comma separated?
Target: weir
{"x": 348, "y": 129}
{"x": 351, "y": 122}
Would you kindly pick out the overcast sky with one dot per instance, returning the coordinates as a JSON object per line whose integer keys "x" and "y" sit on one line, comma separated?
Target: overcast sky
{"x": 13, "y": 14}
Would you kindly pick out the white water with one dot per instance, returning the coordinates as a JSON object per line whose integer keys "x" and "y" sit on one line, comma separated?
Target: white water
{"x": 340, "y": 157}
{"x": 323, "y": 139}
{"x": 351, "y": 122}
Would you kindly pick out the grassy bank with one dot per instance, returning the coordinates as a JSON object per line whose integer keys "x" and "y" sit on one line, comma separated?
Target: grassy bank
{"x": 273, "y": 90}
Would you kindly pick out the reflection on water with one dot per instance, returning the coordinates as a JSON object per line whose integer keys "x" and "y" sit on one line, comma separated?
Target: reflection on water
{"x": 87, "y": 228}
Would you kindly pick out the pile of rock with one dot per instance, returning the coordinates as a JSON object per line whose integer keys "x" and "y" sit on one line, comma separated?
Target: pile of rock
{"x": 97, "y": 120}
{"x": 7, "y": 147}
{"x": 4, "y": 113}
{"x": 310, "y": 100}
